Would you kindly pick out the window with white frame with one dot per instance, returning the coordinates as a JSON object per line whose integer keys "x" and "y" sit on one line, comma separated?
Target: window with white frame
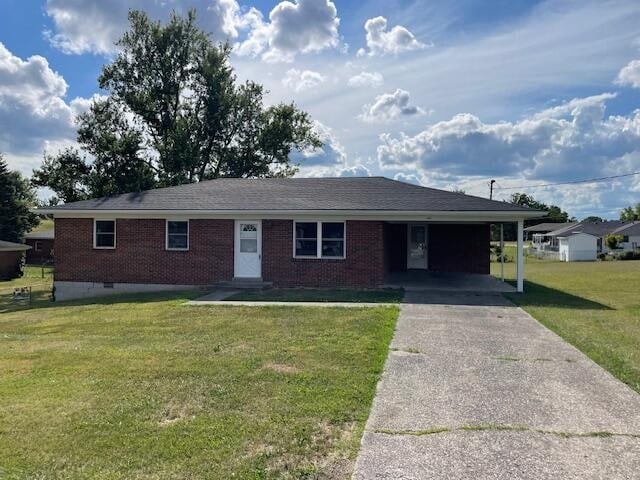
{"x": 37, "y": 246}
{"x": 177, "y": 235}
{"x": 319, "y": 239}
{"x": 104, "y": 234}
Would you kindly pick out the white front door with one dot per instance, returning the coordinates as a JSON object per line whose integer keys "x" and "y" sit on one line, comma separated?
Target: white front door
{"x": 417, "y": 246}
{"x": 248, "y": 249}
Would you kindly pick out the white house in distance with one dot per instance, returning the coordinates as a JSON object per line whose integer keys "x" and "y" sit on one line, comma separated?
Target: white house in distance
{"x": 585, "y": 240}
{"x": 577, "y": 247}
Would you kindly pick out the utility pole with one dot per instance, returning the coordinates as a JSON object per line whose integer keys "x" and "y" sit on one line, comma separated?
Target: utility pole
{"x": 491, "y": 189}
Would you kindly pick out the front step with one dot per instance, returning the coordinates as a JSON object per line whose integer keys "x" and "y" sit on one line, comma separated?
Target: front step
{"x": 240, "y": 283}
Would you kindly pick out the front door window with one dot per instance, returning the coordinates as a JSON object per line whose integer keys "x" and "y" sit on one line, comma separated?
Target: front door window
{"x": 417, "y": 248}
{"x": 248, "y": 258}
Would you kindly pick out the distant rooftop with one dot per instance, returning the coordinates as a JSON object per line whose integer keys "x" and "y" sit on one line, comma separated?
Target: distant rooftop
{"x": 599, "y": 229}
{"x": 548, "y": 227}
{"x": 41, "y": 235}
{"x": 12, "y": 247}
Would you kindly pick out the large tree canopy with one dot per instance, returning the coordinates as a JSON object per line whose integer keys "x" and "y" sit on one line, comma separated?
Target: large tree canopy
{"x": 16, "y": 199}
{"x": 630, "y": 213}
{"x": 175, "y": 114}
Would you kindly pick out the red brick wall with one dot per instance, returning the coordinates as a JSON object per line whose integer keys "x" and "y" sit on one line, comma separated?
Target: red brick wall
{"x": 363, "y": 265}
{"x": 140, "y": 255}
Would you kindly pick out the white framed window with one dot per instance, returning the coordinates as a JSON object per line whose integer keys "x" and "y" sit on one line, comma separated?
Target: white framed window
{"x": 37, "y": 246}
{"x": 104, "y": 234}
{"x": 319, "y": 240}
{"x": 177, "y": 236}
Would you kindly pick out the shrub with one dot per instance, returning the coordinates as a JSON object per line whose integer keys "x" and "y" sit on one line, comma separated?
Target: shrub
{"x": 612, "y": 241}
{"x": 602, "y": 256}
{"x": 629, "y": 255}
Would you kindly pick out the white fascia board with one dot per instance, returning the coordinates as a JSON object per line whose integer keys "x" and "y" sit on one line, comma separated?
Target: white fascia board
{"x": 386, "y": 215}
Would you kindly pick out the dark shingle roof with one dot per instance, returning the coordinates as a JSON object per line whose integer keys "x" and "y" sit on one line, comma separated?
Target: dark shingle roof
{"x": 13, "y": 247}
{"x": 548, "y": 227}
{"x": 352, "y": 193}
{"x": 632, "y": 228}
{"x": 598, "y": 229}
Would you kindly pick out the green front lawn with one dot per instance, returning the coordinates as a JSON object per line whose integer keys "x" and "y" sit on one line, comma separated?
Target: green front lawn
{"x": 595, "y": 306}
{"x": 384, "y": 295}
{"x": 147, "y": 387}
{"x": 39, "y": 279}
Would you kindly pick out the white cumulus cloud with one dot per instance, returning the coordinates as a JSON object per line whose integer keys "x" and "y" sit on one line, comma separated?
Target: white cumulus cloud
{"x": 389, "y": 106}
{"x": 630, "y": 74}
{"x": 381, "y": 41}
{"x": 366, "y": 79}
{"x": 575, "y": 139}
{"x": 93, "y": 26}
{"x": 299, "y": 80}
{"x": 296, "y": 27}
{"x": 32, "y": 105}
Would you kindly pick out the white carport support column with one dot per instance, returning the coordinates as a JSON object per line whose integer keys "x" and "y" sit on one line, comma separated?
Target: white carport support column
{"x": 502, "y": 252}
{"x": 520, "y": 258}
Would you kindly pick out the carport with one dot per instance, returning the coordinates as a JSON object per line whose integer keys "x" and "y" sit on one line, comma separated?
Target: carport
{"x": 446, "y": 255}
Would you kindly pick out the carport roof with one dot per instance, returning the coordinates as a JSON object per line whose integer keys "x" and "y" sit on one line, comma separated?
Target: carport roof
{"x": 296, "y": 194}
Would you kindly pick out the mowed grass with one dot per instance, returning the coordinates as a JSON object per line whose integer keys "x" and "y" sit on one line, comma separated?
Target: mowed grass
{"x": 595, "y": 306}
{"x": 39, "y": 279}
{"x": 147, "y": 388}
{"x": 384, "y": 295}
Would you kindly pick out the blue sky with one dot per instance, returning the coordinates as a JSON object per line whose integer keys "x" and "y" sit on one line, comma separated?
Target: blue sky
{"x": 443, "y": 93}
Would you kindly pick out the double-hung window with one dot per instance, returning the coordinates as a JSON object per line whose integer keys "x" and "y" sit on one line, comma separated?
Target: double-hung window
{"x": 104, "y": 234}
{"x": 319, "y": 239}
{"x": 177, "y": 235}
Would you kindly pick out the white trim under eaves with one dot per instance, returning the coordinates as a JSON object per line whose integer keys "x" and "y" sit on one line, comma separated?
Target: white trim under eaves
{"x": 385, "y": 215}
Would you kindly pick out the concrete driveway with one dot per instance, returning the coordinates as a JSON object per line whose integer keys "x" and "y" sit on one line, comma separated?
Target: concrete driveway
{"x": 476, "y": 388}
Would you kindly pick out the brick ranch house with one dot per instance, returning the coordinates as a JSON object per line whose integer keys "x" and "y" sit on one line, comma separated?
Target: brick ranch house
{"x": 297, "y": 232}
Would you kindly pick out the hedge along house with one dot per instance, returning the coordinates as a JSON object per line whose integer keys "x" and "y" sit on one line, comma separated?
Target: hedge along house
{"x": 297, "y": 232}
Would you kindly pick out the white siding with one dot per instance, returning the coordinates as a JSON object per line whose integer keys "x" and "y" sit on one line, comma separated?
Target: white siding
{"x": 578, "y": 248}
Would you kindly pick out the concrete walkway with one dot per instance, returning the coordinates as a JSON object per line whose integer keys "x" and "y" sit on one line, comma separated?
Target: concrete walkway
{"x": 476, "y": 388}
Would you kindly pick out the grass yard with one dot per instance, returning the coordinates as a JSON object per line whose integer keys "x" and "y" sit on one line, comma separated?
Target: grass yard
{"x": 40, "y": 280}
{"x": 386, "y": 295}
{"x": 146, "y": 387}
{"x": 595, "y": 306}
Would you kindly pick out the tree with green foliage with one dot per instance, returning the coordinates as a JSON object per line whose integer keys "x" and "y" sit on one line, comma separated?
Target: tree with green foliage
{"x": 612, "y": 240}
{"x": 17, "y": 197}
{"x": 175, "y": 114}
{"x": 593, "y": 219}
{"x": 554, "y": 215}
{"x": 630, "y": 213}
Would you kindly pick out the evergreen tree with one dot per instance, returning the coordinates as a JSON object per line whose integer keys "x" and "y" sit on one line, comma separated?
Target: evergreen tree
{"x": 17, "y": 197}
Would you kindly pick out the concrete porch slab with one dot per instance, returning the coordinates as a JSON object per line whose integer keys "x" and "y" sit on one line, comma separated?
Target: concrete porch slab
{"x": 424, "y": 280}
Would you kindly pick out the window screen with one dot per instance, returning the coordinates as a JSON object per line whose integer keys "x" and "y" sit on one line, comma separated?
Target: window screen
{"x": 177, "y": 235}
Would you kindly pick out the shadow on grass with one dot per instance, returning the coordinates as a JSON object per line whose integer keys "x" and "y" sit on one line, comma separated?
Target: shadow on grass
{"x": 536, "y": 295}
{"x": 9, "y": 307}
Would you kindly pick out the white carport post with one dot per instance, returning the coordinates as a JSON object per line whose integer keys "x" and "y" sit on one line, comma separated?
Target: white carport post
{"x": 502, "y": 252}
{"x": 520, "y": 258}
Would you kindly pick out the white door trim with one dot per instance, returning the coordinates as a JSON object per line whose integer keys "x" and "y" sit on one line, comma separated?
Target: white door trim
{"x": 247, "y": 265}
{"x": 426, "y": 250}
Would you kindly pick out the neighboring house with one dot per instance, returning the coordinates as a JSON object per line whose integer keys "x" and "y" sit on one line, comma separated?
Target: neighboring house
{"x": 41, "y": 244}
{"x": 299, "y": 232}
{"x": 630, "y": 232}
{"x": 577, "y": 247}
{"x": 630, "y": 235}
{"x": 538, "y": 231}
{"x": 11, "y": 255}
